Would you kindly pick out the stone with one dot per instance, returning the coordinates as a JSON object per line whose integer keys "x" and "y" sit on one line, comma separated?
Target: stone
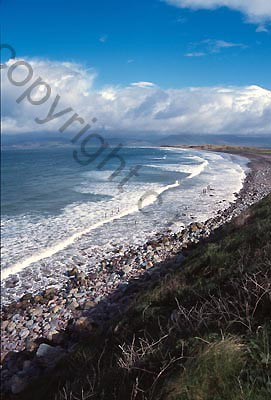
{"x": 81, "y": 275}
{"x": 12, "y": 281}
{"x": 11, "y": 326}
{"x": 26, "y": 364}
{"x": 17, "y": 384}
{"x": 16, "y": 317}
{"x": 193, "y": 227}
{"x": 14, "y": 360}
{"x": 4, "y": 324}
{"x": 52, "y": 334}
{"x": 72, "y": 305}
{"x": 73, "y": 272}
{"x": 48, "y": 355}
{"x": 24, "y": 333}
{"x": 27, "y": 297}
{"x": 56, "y": 309}
{"x": 54, "y": 323}
{"x": 37, "y": 312}
{"x": 58, "y": 337}
{"x": 24, "y": 304}
{"x": 3, "y": 356}
{"x": 29, "y": 323}
{"x": 49, "y": 293}
{"x": 30, "y": 344}
{"x": 83, "y": 325}
{"x": 39, "y": 299}
{"x": 127, "y": 269}
{"x": 88, "y": 304}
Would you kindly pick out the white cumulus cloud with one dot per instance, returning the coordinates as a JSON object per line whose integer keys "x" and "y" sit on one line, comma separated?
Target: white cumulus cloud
{"x": 138, "y": 109}
{"x": 143, "y": 84}
{"x": 256, "y": 11}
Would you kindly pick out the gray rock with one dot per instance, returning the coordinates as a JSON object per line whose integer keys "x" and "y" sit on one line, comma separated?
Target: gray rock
{"x": 73, "y": 272}
{"x": 127, "y": 269}
{"x": 72, "y": 305}
{"x": 81, "y": 275}
{"x": 17, "y": 384}
{"x": 24, "y": 333}
{"x": 54, "y": 324}
{"x": 49, "y": 293}
{"x": 11, "y": 326}
{"x": 56, "y": 309}
{"x": 16, "y": 317}
{"x": 49, "y": 355}
{"x": 12, "y": 281}
{"x": 29, "y": 323}
{"x": 4, "y": 324}
{"x": 26, "y": 364}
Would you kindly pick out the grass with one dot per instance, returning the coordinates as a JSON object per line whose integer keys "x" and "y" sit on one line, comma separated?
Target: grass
{"x": 238, "y": 149}
{"x": 212, "y": 373}
{"x": 202, "y": 332}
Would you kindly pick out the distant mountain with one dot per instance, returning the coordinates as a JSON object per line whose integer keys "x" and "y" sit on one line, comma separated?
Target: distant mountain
{"x": 45, "y": 139}
{"x": 259, "y": 141}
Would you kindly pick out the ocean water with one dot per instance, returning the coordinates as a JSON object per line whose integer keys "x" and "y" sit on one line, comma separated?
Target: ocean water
{"x": 53, "y": 207}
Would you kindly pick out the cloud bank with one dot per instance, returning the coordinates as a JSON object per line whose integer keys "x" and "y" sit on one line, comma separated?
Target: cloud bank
{"x": 257, "y": 11}
{"x": 137, "y": 109}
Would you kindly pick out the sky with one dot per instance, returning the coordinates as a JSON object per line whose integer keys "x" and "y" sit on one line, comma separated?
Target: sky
{"x": 156, "y": 66}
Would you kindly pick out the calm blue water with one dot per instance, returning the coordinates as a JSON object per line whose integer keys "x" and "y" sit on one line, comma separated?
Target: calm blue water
{"x": 50, "y": 200}
{"x": 43, "y": 182}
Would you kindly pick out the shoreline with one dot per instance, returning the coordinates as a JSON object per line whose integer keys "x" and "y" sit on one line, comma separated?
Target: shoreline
{"x": 36, "y": 267}
{"x": 52, "y": 316}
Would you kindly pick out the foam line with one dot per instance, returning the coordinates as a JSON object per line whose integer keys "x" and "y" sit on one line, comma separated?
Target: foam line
{"x": 192, "y": 170}
{"x": 14, "y": 269}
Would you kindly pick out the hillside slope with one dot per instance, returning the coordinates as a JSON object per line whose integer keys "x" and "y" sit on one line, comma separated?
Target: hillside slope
{"x": 202, "y": 332}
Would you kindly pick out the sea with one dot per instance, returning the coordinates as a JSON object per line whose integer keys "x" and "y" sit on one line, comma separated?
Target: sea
{"x": 54, "y": 208}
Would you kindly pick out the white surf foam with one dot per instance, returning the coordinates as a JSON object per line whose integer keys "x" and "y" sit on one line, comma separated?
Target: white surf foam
{"x": 146, "y": 201}
{"x": 192, "y": 170}
{"x": 50, "y": 234}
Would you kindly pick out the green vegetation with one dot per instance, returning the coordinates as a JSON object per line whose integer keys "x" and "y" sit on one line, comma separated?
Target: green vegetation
{"x": 228, "y": 148}
{"x": 203, "y": 332}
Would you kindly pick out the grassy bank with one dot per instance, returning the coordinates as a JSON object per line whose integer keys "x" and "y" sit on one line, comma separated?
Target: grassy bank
{"x": 203, "y": 332}
{"x": 226, "y": 148}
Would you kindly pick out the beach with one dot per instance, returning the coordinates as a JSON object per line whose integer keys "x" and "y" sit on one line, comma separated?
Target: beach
{"x": 88, "y": 300}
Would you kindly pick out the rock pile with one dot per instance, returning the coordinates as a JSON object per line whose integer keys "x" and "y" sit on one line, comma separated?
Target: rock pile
{"x": 39, "y": 330}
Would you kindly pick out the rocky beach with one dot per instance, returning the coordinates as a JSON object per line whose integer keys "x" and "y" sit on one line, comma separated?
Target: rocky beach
{"x": 41, "y": 328}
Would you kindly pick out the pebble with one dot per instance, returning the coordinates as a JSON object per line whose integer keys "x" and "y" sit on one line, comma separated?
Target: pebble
{"x": 52, "y": 310}
{"x": 4, "y": 324}
{"x": 11, "y": 326}
{"x": 24, "y": 333}
{"x": 17, "y": 384}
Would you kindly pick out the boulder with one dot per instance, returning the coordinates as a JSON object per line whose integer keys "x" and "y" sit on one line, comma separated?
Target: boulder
{"x": 17, "y": 384}
{"x": 27, "y": 297}
{"x": 12, "y": 281}
{"x": 48, "y": 355}
{"x": 83, "y": 325}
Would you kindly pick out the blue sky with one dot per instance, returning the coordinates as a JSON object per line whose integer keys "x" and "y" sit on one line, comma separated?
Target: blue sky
{"x": 143, "y": 66}
{"x": 142, "y": 40}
